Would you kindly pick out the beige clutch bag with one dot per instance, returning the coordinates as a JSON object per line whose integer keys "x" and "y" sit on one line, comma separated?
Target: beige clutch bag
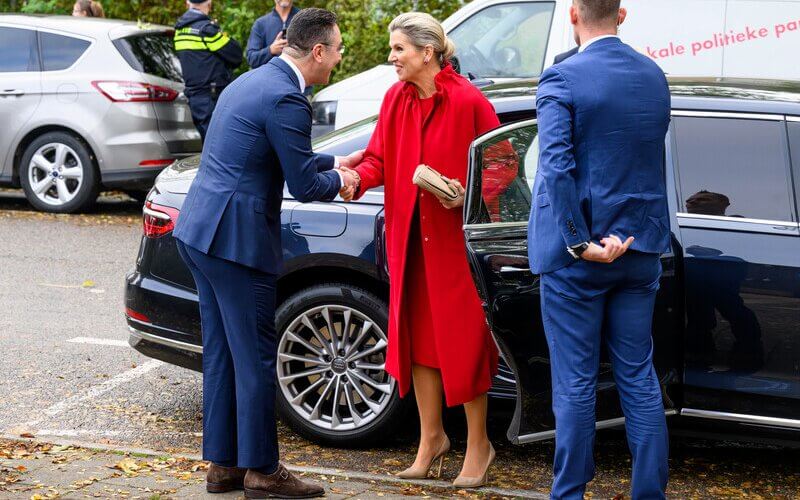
{"x": 432, "y": 181}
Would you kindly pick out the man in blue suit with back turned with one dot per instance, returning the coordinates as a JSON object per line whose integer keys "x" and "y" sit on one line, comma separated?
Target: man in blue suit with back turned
{"x": 598, "y": 226}
{"x": 228, "y": 234}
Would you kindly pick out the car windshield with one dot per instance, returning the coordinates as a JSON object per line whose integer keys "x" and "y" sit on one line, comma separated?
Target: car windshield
{"x": 152, "y": 53}
{"x": 504, "y": 40}
{"x": 345, "y": 134}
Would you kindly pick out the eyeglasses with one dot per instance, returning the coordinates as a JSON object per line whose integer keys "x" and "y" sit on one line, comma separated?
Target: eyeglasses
{"x": 339, "y": 49}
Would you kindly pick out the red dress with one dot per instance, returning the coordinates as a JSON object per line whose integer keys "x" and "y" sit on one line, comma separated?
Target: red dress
{"x": 435, "y": 315}
{"x": 418, "y": 315}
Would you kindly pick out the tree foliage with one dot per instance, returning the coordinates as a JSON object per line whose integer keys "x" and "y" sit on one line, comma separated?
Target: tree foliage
{"x": 363, "y": 22}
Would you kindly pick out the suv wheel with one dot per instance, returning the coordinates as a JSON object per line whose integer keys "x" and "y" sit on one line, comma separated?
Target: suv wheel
{"x": 333, "y": 388}
{"x": 57, "y": 174}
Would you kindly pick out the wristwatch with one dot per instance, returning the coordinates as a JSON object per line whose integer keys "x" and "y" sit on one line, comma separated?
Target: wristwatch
{"x": 577, "y": 250}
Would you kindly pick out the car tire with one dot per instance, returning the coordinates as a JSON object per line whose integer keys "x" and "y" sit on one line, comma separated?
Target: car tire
{"x": 58, "y": 175}
{"x": 366, "y": 414}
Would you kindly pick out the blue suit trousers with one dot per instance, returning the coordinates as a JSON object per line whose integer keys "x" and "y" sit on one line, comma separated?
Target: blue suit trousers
{"x": 583, "y": 305}
{"x": 237, "y": 315}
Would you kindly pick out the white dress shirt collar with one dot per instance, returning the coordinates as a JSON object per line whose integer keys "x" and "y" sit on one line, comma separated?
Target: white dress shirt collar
{"x": 300, "y": 78}
{"x": 592, "y": 40}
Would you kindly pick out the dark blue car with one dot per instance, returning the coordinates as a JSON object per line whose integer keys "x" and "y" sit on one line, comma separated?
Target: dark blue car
{"x": 727, "y": 319}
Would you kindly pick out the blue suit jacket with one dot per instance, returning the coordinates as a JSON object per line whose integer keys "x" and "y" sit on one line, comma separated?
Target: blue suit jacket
{"x": 602, "y": 115}
{"x": 260, "y": 134}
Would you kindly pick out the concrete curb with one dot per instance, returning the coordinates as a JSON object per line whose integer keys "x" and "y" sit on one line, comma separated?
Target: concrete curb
{"x": 339, "y": 473}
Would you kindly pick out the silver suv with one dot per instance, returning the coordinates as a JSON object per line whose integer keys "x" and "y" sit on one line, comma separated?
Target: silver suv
{"x": 87, "y": 104}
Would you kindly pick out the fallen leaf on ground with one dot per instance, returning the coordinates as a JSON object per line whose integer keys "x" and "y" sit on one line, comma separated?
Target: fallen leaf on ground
{"x": 128, "y": 466}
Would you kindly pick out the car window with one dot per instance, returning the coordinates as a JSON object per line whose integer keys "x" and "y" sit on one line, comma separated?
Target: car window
{"x": 794, "y": 147}
{"x": 59, "y": 51}
{"x": 18, "y": 50}
{"x": 505, "y": 40}
{"x": 152, "y": 53}
{"x": 733, "y": 167}
{"x": 508, "y": 164}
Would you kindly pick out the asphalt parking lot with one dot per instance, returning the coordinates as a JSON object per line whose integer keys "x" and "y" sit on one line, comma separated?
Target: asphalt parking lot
{"x": 67, "y": 373}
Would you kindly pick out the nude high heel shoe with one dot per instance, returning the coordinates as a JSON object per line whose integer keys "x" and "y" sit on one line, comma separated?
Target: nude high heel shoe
{"x": 422, "y": 473}
{"x": 475, "y": 482}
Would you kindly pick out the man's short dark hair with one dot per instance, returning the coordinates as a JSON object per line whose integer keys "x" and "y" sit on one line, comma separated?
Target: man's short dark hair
{"x": 310, "y": 27}
{"x": 598, "y": 11}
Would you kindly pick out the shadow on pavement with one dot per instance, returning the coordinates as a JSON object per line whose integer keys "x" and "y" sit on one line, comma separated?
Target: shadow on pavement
{"x": 110, "y": 203}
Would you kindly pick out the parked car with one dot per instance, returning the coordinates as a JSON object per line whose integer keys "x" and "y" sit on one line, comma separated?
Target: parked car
{"x": 727, "y": 348}
{"x": 87, "y": 104}
{"x": 502, "y": 40}
{"x": 496, "y": 40}
{"x": 335, "y": 280}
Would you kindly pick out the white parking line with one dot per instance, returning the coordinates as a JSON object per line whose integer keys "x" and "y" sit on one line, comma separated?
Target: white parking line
{"x": 76, "y": 433}
{"x": 97, "y": 341}
{"x": 96, "y": 391}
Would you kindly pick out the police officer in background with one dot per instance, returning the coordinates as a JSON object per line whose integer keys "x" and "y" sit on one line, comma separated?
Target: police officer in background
{"x": 208, "y": 57}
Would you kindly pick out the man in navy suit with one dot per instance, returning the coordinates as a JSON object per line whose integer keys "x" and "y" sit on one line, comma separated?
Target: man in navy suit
{"x": 598, "y": 226}
{"x": 574, "y": 50}
{"x": 228, "y": 234}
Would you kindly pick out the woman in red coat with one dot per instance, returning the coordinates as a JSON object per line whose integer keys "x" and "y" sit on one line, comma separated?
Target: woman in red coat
{"x": 437, "y": 330}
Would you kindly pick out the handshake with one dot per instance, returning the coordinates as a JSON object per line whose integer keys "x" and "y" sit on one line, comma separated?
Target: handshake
{"x": 351, "y": 181}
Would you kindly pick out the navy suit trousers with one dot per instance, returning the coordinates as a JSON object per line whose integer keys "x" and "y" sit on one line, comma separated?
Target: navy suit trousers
{"x": 237, "y": 314}
{"x": 583, "y": 305}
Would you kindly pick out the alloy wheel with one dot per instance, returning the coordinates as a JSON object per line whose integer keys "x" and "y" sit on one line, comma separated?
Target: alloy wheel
{"x": 55, "y": 174}
{"x": 331, "y": 368}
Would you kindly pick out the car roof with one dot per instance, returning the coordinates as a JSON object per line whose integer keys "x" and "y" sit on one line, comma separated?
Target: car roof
{"x": 86, "y": 26}
{"x": 747, "y": 95}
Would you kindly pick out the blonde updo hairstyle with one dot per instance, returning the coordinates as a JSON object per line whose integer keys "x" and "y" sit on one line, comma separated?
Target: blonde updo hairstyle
{"x": 423, "y": 29}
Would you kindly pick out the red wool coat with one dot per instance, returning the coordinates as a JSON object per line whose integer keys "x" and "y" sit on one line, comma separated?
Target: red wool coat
{"x": 467, "y": 353}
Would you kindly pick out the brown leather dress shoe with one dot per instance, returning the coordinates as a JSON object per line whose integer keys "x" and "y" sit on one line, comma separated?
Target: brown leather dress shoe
{"x": 221, "y": 479}
{"x": 279, "y": 484}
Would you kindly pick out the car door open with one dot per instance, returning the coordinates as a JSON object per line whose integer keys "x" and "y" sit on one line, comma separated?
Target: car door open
{"x": 502, "y": 168}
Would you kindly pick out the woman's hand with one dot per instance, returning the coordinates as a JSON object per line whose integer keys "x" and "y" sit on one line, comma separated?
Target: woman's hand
{"x": 458, "y": 202}
{"x": 352, "y": 181}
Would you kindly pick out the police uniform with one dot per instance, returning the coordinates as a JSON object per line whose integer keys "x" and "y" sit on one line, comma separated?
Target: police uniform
{"x": 208, "y": 58}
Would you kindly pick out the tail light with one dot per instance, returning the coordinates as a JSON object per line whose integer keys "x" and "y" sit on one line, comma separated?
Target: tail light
{"x": 118, "y": 91}
{"x": 136, "y": 315}
{"x": 156, "y": 163}
{"x": 158, "y": 220}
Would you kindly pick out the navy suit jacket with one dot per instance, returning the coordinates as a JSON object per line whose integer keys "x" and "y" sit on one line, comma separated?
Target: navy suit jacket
{"x": 263, "y": 33}
{"x": 260, "y": 134}
{"x": 565, "y": 55}
{"x": 602, "y": 115}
